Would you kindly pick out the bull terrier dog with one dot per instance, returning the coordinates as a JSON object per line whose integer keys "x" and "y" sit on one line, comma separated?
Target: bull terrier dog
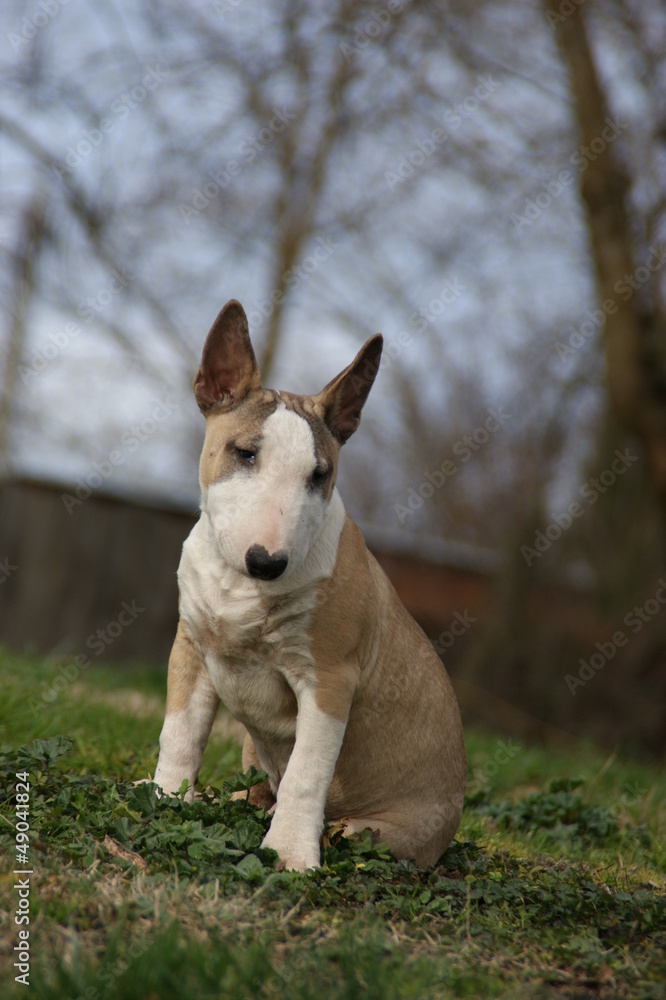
{"x": 287, "y": 619}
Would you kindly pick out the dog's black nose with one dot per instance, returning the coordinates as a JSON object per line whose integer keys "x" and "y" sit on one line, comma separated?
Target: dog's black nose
{"x": 264, "y": 566}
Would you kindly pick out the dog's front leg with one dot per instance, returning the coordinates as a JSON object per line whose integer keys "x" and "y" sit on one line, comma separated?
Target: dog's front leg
{"x": 191, "y": 706}
{"x": 301, "y": 796}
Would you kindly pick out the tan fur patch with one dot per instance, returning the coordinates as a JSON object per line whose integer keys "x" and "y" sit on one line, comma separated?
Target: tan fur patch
{"x": 327, "y": 448}
{"x": 338, "y": 625}
{"x": 335, "y": 689}
{"x": 241, "y": 427}
{"x": 185, "y": 667}
{"x": 339, "y": 617}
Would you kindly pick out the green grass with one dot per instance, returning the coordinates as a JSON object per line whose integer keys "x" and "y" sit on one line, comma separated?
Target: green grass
{"x": 554, "y": 887}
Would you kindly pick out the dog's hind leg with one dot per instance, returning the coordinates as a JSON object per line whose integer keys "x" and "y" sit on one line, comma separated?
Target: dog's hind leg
{"x": 261, "y": 794}
{"x": 191, "y": 706}
{"x": 413, "y": 833}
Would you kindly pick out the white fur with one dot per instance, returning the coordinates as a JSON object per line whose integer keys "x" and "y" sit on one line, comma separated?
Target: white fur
{"x": 211, "y": 590}
{"x": 247, "y": 667}
{"x": 271, "y": 503}
{"x": 299, "y": 817}
{"x": 183, "y": 739}
{"x": 258, "y": 651}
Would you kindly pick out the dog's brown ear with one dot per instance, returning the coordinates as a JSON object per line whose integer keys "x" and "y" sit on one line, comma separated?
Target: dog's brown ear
{"x": 344, "y": 397}
{"x": 228, "y": 369}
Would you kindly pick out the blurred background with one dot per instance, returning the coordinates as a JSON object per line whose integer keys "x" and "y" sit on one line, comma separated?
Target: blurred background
{"x": 484, "y": 183}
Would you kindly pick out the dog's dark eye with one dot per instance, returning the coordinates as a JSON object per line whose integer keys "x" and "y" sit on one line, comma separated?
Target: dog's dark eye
{"x": 246, "y": 455}
{"x": 319, "y": 475}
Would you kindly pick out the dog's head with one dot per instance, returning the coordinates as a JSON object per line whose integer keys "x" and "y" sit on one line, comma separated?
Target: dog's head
{"x": 270, "y": 459}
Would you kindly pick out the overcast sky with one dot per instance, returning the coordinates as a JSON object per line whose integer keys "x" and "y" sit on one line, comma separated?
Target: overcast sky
{"x": 504, "y": 285}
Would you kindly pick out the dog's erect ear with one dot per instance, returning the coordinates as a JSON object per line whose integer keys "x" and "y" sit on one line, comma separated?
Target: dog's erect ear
{"x": 344, "y": 397}
{"x": 228, "y": 369}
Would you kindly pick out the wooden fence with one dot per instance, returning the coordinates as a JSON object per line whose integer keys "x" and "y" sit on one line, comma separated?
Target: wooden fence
{"x": 71, "y": 572}
{"x": 99, "y": 579}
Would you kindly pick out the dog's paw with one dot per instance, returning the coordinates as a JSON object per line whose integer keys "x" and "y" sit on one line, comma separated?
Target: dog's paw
{"x": 295, "y": 854}
{"x": 150, "y": 781}
{"x": 163, "y": 791}
{"x": 173, "y": 777}
{"x": 147, "y": 781}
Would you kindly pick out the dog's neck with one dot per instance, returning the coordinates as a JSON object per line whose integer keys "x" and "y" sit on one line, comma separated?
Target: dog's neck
{"x": 215, "y": 596}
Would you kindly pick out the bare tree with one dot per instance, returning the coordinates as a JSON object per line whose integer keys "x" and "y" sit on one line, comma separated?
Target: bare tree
{"x": 339, "y": 168}
{"x": 625, "y": 241}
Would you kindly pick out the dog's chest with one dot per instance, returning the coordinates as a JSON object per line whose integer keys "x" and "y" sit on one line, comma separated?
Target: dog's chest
{"x": 255, "y": 646}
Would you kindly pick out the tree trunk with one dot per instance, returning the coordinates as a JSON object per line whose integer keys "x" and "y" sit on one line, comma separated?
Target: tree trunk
{"x": 34, "y": 231}
{"x": 635, "y": 325}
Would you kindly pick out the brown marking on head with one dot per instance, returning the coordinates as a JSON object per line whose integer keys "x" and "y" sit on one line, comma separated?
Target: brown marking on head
{"x": 227, "y": 430}
{"x": 327, "y": 446}
{"x": 228, "y": 391}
